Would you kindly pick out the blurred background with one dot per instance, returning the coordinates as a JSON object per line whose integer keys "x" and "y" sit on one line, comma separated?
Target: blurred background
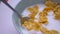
{"x": 6, "y": 23}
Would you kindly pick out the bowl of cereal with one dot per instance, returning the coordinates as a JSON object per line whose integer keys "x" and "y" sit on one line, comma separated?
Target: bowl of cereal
{"x": 44, "y": 17}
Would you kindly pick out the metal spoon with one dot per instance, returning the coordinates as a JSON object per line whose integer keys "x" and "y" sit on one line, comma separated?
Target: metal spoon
{"x": 22, "y": 18}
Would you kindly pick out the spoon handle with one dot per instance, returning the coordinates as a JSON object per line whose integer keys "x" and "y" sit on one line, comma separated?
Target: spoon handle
{"x": 11, "y": 8}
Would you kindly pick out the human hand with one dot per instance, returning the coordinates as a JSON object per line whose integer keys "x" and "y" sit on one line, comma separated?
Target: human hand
{"x": 4, "y": 0}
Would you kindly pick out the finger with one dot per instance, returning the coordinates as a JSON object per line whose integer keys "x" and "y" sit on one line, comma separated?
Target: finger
{"x": 6, "y": 0}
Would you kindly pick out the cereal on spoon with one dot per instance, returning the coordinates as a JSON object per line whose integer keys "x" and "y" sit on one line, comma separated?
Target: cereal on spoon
{"x": 37, "y": 26}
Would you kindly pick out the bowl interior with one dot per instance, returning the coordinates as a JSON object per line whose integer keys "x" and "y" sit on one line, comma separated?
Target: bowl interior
{"x": 20, "y": 7}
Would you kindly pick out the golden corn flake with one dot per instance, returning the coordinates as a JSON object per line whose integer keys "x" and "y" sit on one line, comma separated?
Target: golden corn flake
{"x": 43, "y": 29}
{"x": 43, "y": 20}
{"x": 47, "y": 9}
{"x": 36, "y": 26}
{"x": 57, "y": 12}
{"x": 25, "y": 23}
{"x": 29, "y": 27}
{"x": 31, "y": 10}
{"x": 51, "y": 4}
{"x": 47, "y": 32}
{"x": 57, "y": 17}
{"x": 36, "y": 9}
{"x": 42, "y": 14}
{"x": 32, "y": 15}
{"x": 54, "y": 32}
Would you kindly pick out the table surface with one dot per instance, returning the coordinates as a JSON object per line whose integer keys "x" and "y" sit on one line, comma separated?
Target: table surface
{"x": 6, "y": 23}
